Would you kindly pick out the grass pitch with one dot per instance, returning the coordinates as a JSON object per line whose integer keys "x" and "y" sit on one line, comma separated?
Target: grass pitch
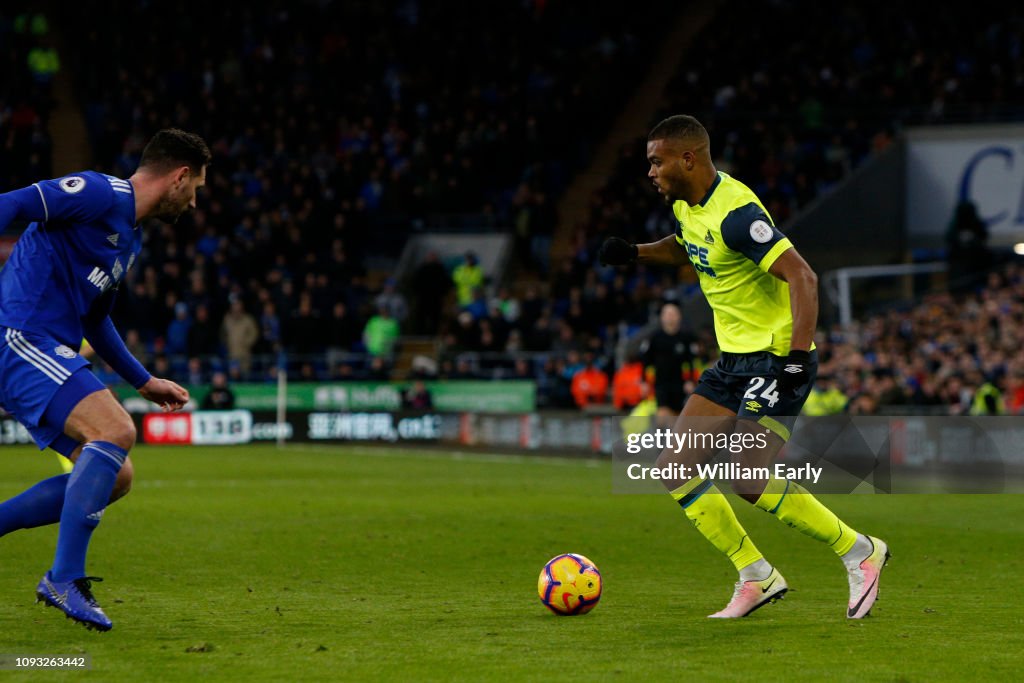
{"x": 330, "y": 563}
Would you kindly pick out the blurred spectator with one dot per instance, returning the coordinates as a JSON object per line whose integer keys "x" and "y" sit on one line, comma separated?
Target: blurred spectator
{"x": 522, "y": 370}
{"x": 220, "y": 396}
{"x": 668, "y": 351}
{"x": 381, "y": 334}
{"x": 178, "y": 331}
{"x": 862, "y": 404}
{"x": 629, "y": 386}
{"x": 477, "y": 305}
{"x": 43, "y": 62}
{"x": 431, "y": 284}
{"x": 968, "y": 252}
{"x": 270, "y": 329}
{"x": 393, "y": 300}
{"x": 343, "y": 333}
{"x": 506, "y": 305}
{"x": 304, "y": 332}
{"x": 542, "y": 221}
{"x": 194, "y": 372}
{"x": 825, "y": 398}
{"x": 134, "y": 344}
{"x": 589, "y": 384}
{"x": 203, "y": 336}
{"x": 417, "y": 397}
{"x": 468, "y": 278}
{"x": 1015, "y": 393}
{"x": 379, "y": 370}
{"x": 239, "y": 333}
{"x": 988, "y": 400}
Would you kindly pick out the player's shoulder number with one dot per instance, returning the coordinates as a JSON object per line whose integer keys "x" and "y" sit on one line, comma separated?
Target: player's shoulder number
{"x": 73, "y": 184}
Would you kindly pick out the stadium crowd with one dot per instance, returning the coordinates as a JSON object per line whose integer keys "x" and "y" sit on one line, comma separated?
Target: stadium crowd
{"x": 29, "y": 63}
{"x": 792, "y": 112}
{"x": 321, "y": 168}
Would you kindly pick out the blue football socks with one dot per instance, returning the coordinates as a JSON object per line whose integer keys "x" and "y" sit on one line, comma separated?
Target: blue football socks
{"x": 88, "y": 491}
{"x": 38, "y": 506}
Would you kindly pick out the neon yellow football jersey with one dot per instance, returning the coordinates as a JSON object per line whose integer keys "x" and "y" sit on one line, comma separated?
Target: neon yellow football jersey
{"x": 732, "y": 242}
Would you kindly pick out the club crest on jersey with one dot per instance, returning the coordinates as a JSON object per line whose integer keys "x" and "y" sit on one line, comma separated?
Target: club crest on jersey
{"x": 64, "y": 351}
{"x": 72, "y": 184}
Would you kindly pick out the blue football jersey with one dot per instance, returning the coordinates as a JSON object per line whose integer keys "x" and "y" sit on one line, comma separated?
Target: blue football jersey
{"x": 61, "y": 266}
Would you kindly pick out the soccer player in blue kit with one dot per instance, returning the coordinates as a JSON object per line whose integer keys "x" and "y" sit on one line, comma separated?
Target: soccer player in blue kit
{"x": 58, "y": 288}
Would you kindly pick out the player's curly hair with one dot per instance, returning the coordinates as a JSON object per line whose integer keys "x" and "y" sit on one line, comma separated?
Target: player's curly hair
{"x": 680, "y": 127}
{"x": 172, "y": 147}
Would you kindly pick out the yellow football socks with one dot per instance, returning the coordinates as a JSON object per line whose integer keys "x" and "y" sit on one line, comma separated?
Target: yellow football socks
{"x": 798, "y": 508}
{"x": 711, "y": 513}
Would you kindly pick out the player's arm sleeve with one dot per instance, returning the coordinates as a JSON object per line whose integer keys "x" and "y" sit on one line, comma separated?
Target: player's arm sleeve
{"x": 749, "y": 230}
{"x": 25, "y": 204}
{"x": 79, "y": 198}
{"x": 104, "y": 338}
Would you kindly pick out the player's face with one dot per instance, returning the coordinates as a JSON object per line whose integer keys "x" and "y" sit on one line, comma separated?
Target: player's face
{"x": 668, "y": 170}
{"x": 181, "y": 196}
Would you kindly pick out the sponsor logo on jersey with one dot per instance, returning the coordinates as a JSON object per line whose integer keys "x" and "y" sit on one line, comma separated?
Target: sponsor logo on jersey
{"x": 699, "y": 259}
{"x": 761, "y": 232}
{"x": 64, "y": 351}
{"x": 100, "y": 279}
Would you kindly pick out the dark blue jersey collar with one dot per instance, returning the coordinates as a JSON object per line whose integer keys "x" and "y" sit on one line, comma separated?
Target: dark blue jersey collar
{"x": 711, "y": 190}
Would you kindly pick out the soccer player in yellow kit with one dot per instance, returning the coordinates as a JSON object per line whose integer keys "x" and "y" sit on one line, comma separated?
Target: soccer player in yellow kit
{"x": 765, "y": 302}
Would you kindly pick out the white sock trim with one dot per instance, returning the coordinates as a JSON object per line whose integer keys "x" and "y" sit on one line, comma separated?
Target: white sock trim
{"x": 758, "y": 571}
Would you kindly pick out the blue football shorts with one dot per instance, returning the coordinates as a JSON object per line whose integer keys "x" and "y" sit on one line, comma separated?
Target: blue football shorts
{"x": 41, "y": 382}
{"x": 746, "y": 384}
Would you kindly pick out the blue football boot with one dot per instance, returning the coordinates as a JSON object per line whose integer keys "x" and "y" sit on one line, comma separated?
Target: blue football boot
{"x": 74, "y": 598}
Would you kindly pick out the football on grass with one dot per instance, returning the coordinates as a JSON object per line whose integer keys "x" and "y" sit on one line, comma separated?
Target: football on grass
{"x": 569, "y": 584}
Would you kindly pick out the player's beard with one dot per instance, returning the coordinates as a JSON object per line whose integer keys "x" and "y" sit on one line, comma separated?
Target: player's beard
{"x": 169, "y": 210}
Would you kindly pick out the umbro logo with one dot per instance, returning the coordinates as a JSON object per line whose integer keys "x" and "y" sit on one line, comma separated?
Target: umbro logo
{"x": 708, "y": 238}
{"x": 754, "y": 406}
{"x": 112, "y": 239}
{"x": 794, "y": 369}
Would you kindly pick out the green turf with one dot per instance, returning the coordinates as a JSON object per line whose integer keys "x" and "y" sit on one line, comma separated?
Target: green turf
{"x": 354, "y": 564}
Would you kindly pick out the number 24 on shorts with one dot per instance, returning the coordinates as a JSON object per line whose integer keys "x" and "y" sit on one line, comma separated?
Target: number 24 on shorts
{"x": 769, "y": 393}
